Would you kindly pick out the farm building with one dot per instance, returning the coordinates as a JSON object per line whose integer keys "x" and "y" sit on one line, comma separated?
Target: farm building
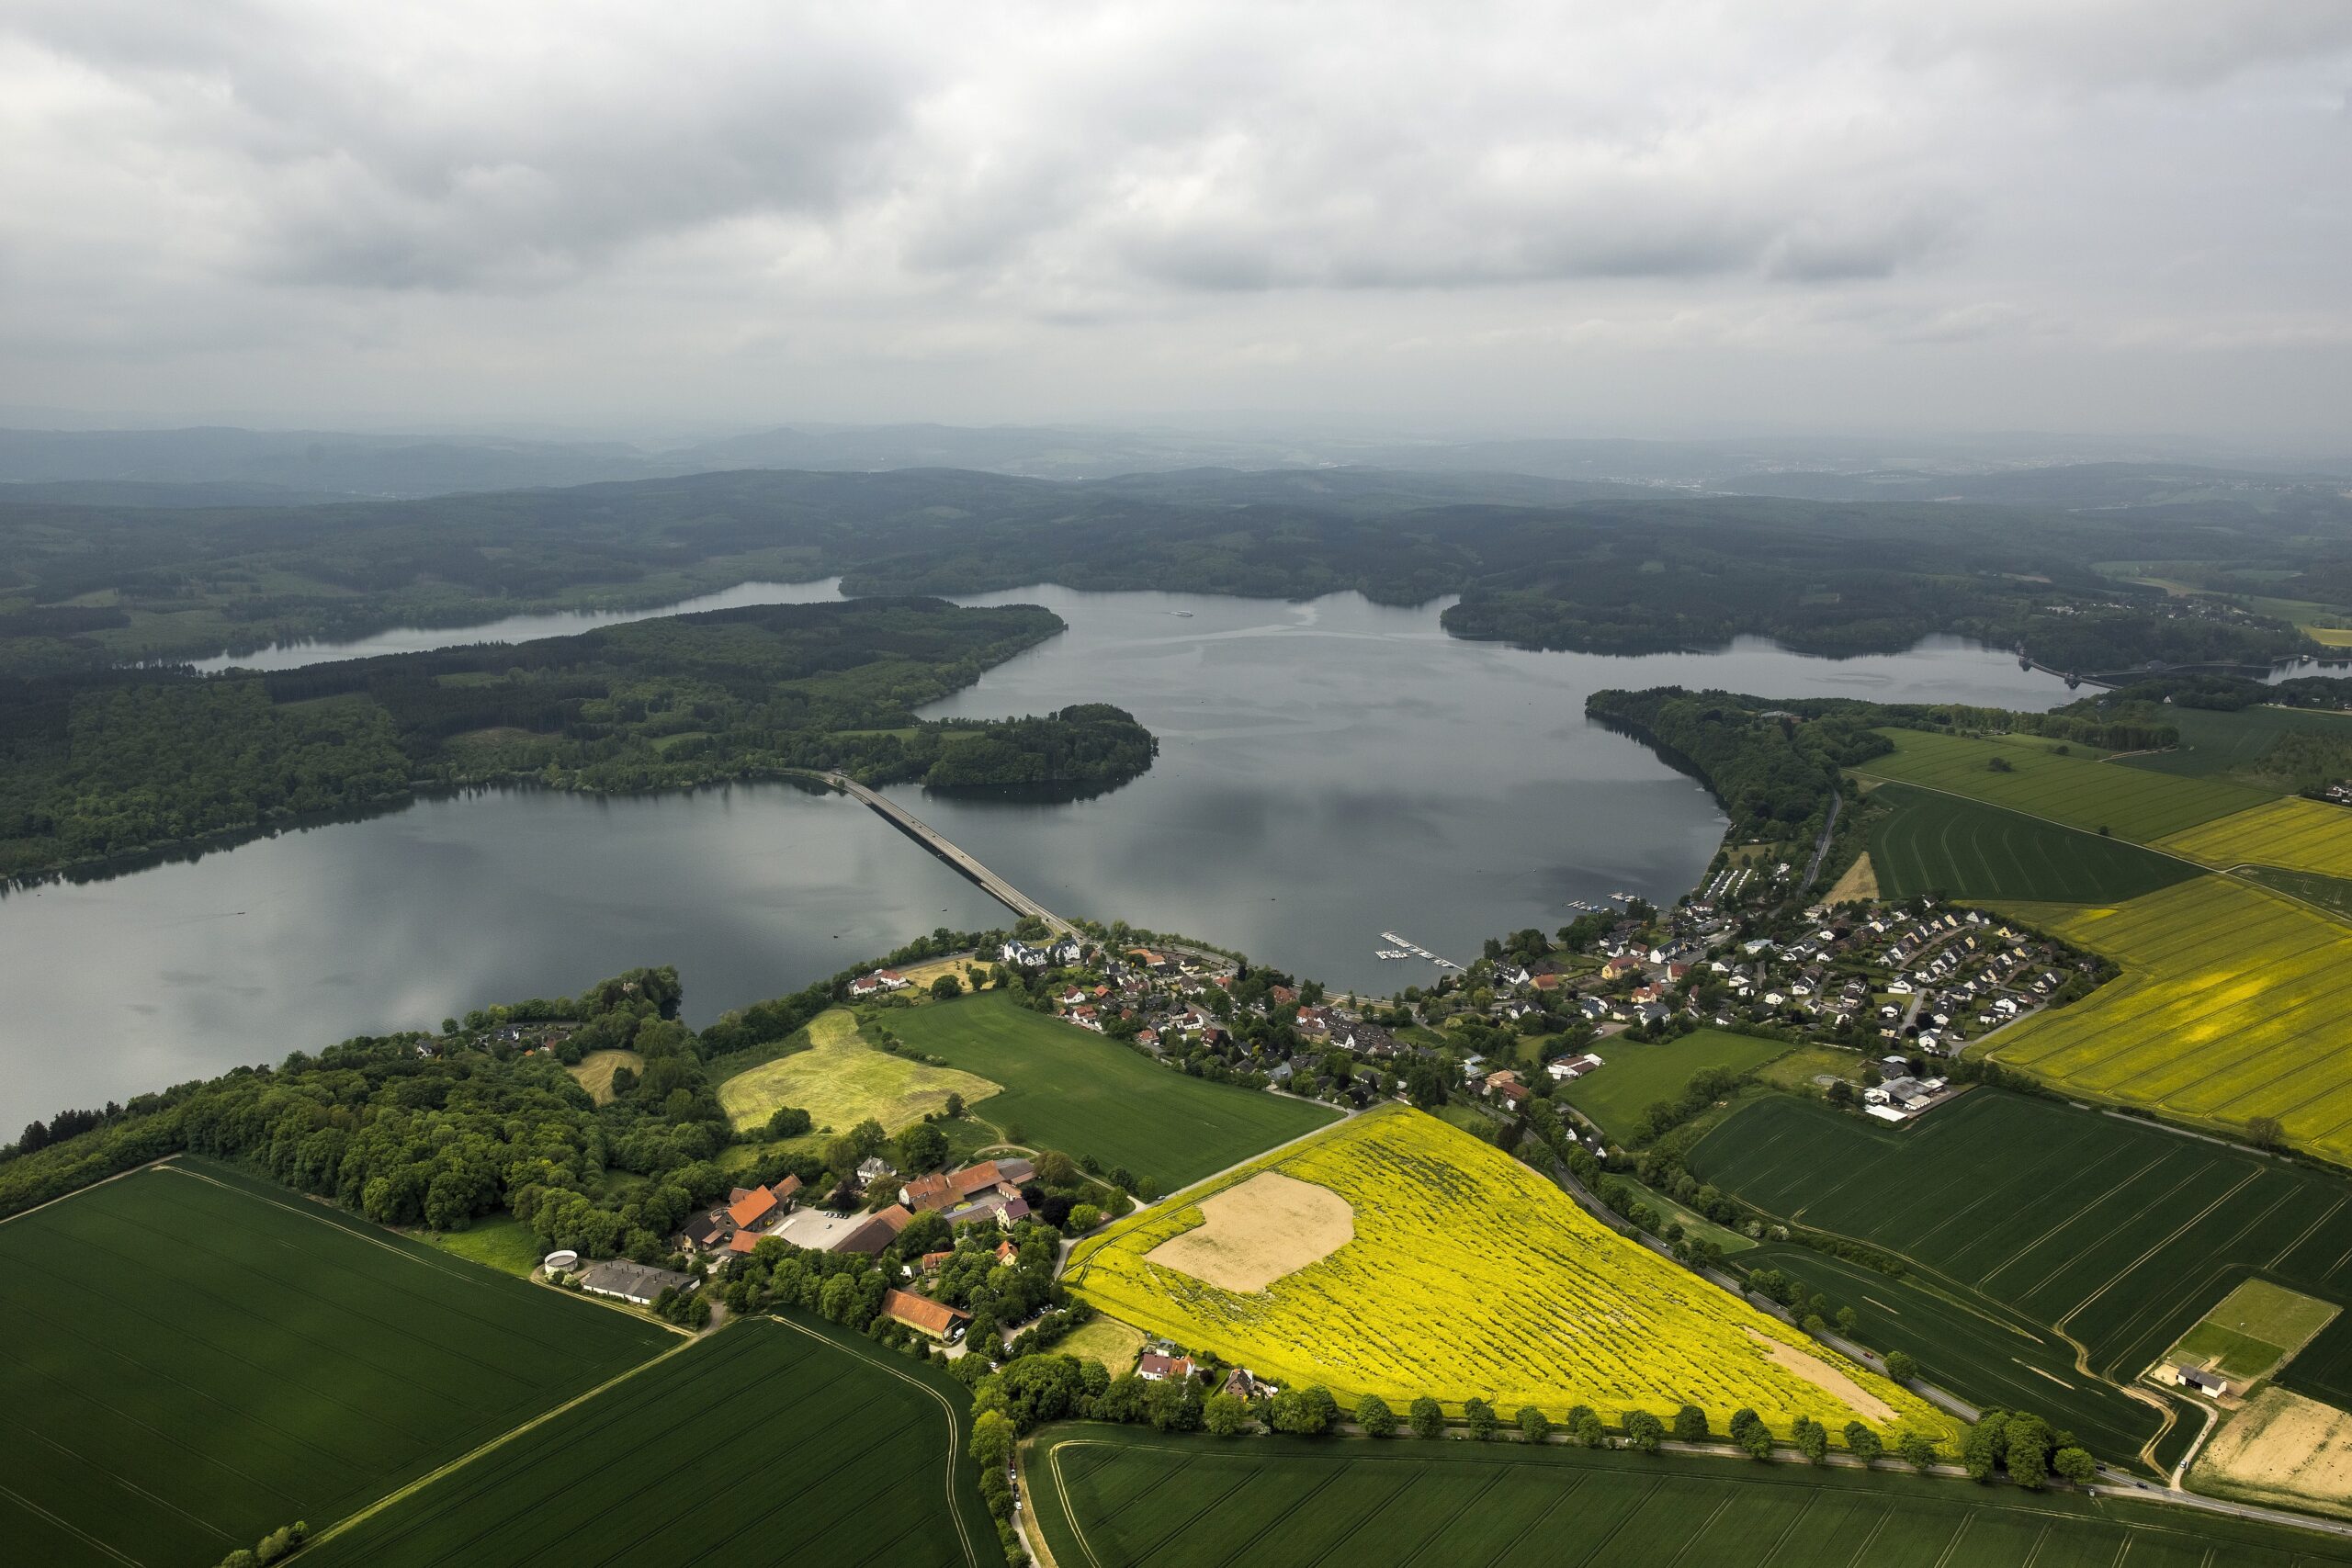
{"x": 924, "y": 1315}
{"x": 633, "y": 1282}
{"x": 1568, "y": 1069}
{"x": 946, "y": 1189}
{"x": 2204, "y": 1382}
{"x": 876, "y": 1233}
{"x": 1156, "y": 1367}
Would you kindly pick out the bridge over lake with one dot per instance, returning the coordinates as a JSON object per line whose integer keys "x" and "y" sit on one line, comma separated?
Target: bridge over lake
{"x": 938, "y": 843}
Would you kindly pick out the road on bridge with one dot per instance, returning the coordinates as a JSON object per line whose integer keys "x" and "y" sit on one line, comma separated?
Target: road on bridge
{"x": 938, "y": 843}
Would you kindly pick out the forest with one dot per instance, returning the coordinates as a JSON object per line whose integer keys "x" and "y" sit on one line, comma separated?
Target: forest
{"x": 1542, "y": 566}
{"x": 104, "y": 763}
{"x": 1773, "y": 764}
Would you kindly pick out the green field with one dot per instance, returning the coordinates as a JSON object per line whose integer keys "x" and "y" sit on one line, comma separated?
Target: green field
{"x": 2253, "y": 1329}
{"x": 498, "y": 1241}
{"x": 210, "y": 1357}
{"x": 2117, "y": 1234}
{"x": 2332, "y": 894}
{"x": 2230, "y": 745}
{"x": 1633, "y": 1078}
{"x": 1066, "y": 1089}
{"x": 1114, "y": 1498}
{"x": 768, "y": 1442}
{"x": 1973, "y": 1345}
{"x": 2074, "y": 790}
{"x": 1940, "y": 844}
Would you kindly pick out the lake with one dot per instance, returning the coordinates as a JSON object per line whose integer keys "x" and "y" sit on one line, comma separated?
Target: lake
{"x": 1328, "y": 772}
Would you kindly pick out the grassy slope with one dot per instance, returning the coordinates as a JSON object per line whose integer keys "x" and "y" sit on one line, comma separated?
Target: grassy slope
{"x": 1938, "y": 843}
{"x": 1468, "y": 1275}
{"x": 211, "y": 1361}
{"x": 1068, "y": 1090}
{"x": 841, "y": 1080}
{"x": 1112, "y": 1498}
{"x": 500, "y": 1242}
{"x": 2120, "y": 1234}
{"x": 766, "y": 1443}
{"x": 2131, "y": 803}
{"x": 1637, "y": 1076}
{"x": 595, "y": 1072}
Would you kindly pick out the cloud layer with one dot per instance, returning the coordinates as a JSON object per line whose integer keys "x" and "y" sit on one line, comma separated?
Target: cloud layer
{"x": 1538, "y": 212}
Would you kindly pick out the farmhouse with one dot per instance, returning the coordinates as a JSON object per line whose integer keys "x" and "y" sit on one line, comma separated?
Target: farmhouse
{"x": 1568, "y": 1069}
{"x": 1156, "y": 1367}
{"x": 880, "y": 980}
{"x": 946, "y": 1189}
{"x": 633, "y": 1282}
{"x": 924, "y": 1315}
{"x": 2203, "y": 1381}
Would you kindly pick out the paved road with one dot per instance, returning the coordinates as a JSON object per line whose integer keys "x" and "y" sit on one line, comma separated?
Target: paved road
{"x": 938, "y": 843}
{"x": 1836, "y": 804}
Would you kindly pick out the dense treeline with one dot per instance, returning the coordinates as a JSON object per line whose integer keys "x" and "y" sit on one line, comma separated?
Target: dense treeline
{"x": 81, "y": 586}
{"x": 441, "y": 1130}
{"x": 110, "y": 762}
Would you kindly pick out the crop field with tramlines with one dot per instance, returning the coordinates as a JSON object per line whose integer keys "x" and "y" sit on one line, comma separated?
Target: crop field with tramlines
{"x": 2301, "y": 835}
{"x": 2129, "y": 803}
{"x": 1966, "y": 1341}
{"x": 2232, "y": 745}
{"x": 2118, "y": 1235}
{"x": 2232, "y": 1005}
{"x": 768, "y": 1442}
{"x": 1070, "y": 1090}
{"x": 1932, "y": 842}
{"x": 1468, "y": 1275}
{"x": 193, "y": 1360}
{"x": 1111, "y": 1497}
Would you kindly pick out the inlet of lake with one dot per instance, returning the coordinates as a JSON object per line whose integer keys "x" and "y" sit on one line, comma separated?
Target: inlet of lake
{"x": 1328, "y": 772}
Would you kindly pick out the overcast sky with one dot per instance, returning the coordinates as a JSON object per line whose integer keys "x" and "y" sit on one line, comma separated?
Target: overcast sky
{"x": 1662, "y": 218}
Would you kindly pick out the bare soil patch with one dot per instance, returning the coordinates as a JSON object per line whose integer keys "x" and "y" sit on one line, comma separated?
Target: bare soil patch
{"x": 1826, "y": 1378}
{"x": 1253, "y": 1233}
{"x": 2285, "y": 1448}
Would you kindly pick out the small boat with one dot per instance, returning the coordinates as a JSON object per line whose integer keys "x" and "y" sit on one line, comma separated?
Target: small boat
{"x": 1186, "y": 613}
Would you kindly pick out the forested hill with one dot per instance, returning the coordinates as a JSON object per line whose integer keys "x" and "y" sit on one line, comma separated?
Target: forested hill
{"x": 1774, "y": 763}
{"x": 1541, "y": 563}
{"x": 110, "y": 763}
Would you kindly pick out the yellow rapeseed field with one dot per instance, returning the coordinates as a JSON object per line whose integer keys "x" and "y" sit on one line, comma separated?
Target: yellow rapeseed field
{"x": 2232, "y": 1005}
{"x": 1468, "y": 1275}
{"x": 2301, "y": 835}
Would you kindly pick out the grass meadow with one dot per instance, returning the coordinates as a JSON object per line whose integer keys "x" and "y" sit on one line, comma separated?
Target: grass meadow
{"x": 1938, "y": 843}
{"x": 2231, "y": 1004}
{"x": 2119, "y": 1234}
{"x": 2077, "y": 791}
{"x": 1111, "y": 1497}
{"x": 595, "y": 1072}
{"x": 2299, "y": 835}
{"x": 1633, "y": 1076}
{"x": 212, "y": 1358}
{"x": 1468, "y": 1275}
{"x": 1066, "y": 1088}
{"x": 771, "y": 1441}
{"x": 841, "y": 1080}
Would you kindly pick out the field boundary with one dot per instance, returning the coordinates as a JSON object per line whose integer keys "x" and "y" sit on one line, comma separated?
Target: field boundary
{"x": 542, "y": 1418}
